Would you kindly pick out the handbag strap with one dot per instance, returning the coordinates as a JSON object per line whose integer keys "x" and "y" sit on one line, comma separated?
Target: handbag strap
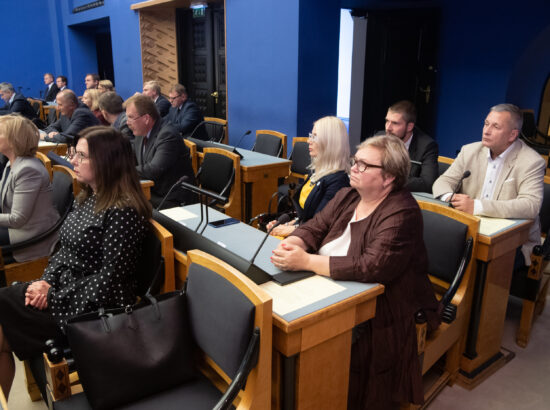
{"x": 104, "y": 321}
{"x": 155, "y": 305}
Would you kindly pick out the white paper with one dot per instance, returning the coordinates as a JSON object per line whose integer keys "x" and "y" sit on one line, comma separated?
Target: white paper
{"x": 178, "y": 214}
{"x": 297, "y": 295}
{"x": 490, "y": 226}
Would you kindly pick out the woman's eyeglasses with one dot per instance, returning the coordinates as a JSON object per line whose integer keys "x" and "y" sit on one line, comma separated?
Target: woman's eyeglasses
{"x": 80, "y": 156}
{"x": 362, "y": 166}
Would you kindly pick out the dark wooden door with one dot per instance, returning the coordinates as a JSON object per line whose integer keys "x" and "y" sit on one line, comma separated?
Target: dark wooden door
{"x": 401, "y": 63}
{"x": 201, "y": 57}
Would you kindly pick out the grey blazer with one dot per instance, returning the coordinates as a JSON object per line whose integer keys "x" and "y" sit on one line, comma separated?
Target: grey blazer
{"x": 518, "y": 191}
{"x": 27, "y": 206}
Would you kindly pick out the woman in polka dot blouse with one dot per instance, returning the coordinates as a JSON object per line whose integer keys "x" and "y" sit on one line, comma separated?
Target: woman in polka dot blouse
{"x": 100, "y": 243}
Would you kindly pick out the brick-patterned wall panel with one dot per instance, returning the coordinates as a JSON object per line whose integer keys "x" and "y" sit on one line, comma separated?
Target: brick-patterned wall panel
{"x": 159, "y": 47}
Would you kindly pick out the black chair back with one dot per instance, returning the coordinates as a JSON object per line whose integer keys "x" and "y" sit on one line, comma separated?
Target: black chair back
{"x": 63, "y": 197}
{"x": 268, "y": 144}
{"x": 217, "y": 308}
{"x": 150, "y": 266}
{"x": 442, "y": 167}
{"x": 544, "y": 213}
{"x": 216, "y": 173}
{"x": 59, "y": 160}
{"x": 300, "y": 158}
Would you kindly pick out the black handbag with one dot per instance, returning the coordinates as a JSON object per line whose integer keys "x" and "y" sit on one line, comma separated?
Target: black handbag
{"x": 125, "y": 354}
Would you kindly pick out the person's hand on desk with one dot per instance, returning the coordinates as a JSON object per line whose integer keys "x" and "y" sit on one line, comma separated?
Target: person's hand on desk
{"x": 282, "y": 230}
{"x": 37, "y": 294}
{"x": 290, "y": 255}
{"x": 463, "y": 203}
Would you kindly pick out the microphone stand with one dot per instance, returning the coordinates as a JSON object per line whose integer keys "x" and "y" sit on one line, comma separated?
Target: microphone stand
{"x": 207, "y": 194}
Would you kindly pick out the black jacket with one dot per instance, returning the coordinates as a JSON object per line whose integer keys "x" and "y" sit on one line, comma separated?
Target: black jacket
{"x": 320, "y": 195}
{"x": 423, "y": 149}
{"x": 19, "y": 105}
{"x": 186, "y": 119}
{"x": 163, "y": 105}
{"x": 51, "y": 93}
{"x": 82, "y": 118}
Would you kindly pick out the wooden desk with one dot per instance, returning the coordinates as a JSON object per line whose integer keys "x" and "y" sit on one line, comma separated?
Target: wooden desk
{"x": 312, "y": 318}
{"x": 58, "y": 147}
{"x": 495, "y": 260}
{"x": 146, "y": 185}
{"x": 260, "y": 175}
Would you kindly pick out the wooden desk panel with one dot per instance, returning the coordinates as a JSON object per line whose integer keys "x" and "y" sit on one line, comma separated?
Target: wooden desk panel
{"x": 59, "y": 148}
{"x": 146, "y": 186}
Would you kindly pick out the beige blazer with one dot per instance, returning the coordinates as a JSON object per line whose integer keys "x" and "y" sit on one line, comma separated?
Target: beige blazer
{"x": 27, "y": 206}
{"x": 519, "y": 189}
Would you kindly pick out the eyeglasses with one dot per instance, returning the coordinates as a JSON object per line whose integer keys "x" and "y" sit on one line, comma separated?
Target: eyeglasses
{"x": 79, "y": 155}
{"x": 312, "y": 136}
{"x": 362, "y": 166}
{"x": 173, "y": 98}
{"x": 128, "y": 118}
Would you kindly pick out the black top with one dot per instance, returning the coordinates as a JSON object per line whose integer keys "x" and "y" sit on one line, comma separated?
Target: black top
{"x": 96, "y": 262}
{"x": 19, "y": 105}
{"x": 82, "y": 118}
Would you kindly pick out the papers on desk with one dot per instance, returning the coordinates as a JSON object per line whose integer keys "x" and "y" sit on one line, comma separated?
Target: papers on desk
{"x": 490, "y": 226}
{"x": 178, "y": 214}
{"x": 300, "y": 294}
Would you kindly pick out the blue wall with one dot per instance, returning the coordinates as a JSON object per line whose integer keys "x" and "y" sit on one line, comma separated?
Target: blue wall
{"x": 262, "y": 67}
{"x": 46, "y": 36}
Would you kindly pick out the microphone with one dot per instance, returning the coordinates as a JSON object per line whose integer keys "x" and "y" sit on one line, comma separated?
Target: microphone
{"x": 179, "y": 181}
{"x": 264, "y": 213}
{"x": 465, "y": 175}
{"x": 283, "y": 219}
{"x": 244, "y": 135}
{"x": 207, "y": 194}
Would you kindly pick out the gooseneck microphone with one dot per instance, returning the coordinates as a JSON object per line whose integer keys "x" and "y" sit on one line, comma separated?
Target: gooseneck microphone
{"x": 283, "y": 219}
{"x": 465, "y": 175}
{"x": 184, "y": 178}
{"x": 241, "y": 139}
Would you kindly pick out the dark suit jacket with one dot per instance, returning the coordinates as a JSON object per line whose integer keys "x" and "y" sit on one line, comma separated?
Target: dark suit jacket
{"x": 163, "y": 105}
{"x": 164, "y": 160}
{"x": 51, "y": 93}
{"x": 121, "y": 124}
{"x": 20, "y": 105}
{"x": 82, "y": 118}
{"x": 425, "y": 150}
{"x": 320, "y": 195}
{"x": 186, "y": 119}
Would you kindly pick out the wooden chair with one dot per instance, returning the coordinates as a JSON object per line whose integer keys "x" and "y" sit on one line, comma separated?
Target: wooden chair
{"x": 444, "y": 163}
{"x": 216, "y": 128}
{"x": 220, "y": 172}
{"x": 271, "y": 143}
{"x": 158, "y": 250}
{"x": 530, "y": 283}
{"x": 450, "y": 237}
{"x": 214, "y": 291}
{"x": 38, "y": 106}
{"x": 46, "y": 161}
{"x": 192, "y": 154}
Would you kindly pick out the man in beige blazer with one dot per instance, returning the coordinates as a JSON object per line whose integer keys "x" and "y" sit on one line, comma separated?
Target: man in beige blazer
{"x": 506, "y": 178}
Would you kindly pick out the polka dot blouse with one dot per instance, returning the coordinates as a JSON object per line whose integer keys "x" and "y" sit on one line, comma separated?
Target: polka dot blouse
{"x": 96, "y": 262}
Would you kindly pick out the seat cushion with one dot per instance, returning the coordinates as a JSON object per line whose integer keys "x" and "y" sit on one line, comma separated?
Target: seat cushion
{"x": 196, "y": 395}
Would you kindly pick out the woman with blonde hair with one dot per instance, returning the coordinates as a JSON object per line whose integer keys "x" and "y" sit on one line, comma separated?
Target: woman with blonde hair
{"x": 26, "y": 194}
{"x": 104, "y": 86}
{"x": 91, "y": 99}
{"x": 329, "y": 151}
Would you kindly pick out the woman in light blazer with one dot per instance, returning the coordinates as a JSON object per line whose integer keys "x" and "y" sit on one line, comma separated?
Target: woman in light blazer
{"x": 26, "y": 194}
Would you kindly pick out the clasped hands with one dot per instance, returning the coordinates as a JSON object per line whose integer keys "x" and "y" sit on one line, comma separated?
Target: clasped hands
{"x": 37, "y": 294}
{"x": 289, "y": 257}
{"x": 463, "y": 203}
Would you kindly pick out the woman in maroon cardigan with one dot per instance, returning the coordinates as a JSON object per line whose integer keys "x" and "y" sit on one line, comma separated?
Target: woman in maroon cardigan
{"x": 372, "y": 232}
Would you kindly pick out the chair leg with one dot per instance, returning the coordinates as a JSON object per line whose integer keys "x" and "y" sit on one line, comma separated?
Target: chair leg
{"x": 526, "y": 323}
{"x": 32, "y": 386}
{"x": 541, "y": 299}
{"x": 452, "y": 362}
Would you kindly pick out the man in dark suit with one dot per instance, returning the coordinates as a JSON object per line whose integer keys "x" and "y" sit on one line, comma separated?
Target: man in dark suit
{"x": 51, "y": 88}
{"x": 91, "y": 81}
{"x": 15, "y": 103}
{"x": 160, "y": 152}
{"x": 152, "y": 89}
{"x": 423, "y": 150}
{"x": 110, "y": 104}
{"x": 184, "y": 114}
{"x": 74, "y": 118}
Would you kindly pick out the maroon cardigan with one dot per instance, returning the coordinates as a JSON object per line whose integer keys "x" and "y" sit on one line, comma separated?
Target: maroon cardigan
{"x": 386, "y": 247}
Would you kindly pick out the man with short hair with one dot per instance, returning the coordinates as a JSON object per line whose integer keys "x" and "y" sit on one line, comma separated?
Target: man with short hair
{"x": 15, "y": 103}
{"x": 51, "y": 88}
{"x": 152, "y": 89}
{"x": 184, "y": 114}
{"x": 61, "y": 82}
{"x": 506, "y": 176}
{"x": 110, "y": 104}
{"x": 160, "y": 152}
{"x": 423, "y": 150}
{"x": 74, "y": 117}
{"x": 91, "y": 81}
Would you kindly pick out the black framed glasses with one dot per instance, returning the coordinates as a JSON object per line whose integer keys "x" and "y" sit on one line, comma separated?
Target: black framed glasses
{"x": 362, "y": 166}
